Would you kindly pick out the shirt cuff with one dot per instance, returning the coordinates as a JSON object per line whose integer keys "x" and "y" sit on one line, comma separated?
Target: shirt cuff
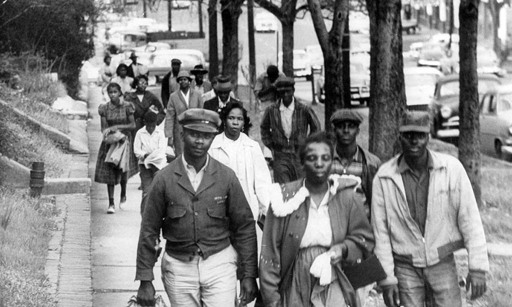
{"x": 144, "y": 274}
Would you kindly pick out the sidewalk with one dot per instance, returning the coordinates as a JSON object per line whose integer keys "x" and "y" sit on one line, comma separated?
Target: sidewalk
{"x": 92, "y": 256}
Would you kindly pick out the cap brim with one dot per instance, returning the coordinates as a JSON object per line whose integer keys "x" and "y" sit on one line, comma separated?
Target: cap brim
{"x": 414, "y": 128}
{"x": 201, "y": 127}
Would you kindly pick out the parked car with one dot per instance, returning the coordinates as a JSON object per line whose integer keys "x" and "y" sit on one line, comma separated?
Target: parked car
{"x": 180, "y": 4}
{"x": 496, "y": 122}
{"x": 487, "y": 62}
{"x": 359, "y": 83}
{"x": 152, "y": 47}
{"x": 433, "y": 53}
{"x": 420, "y": 83}
{"x": 301, "y": 63}
{"x": 160, "y": 61}
{"x": 410, "y": 26}
{"x": 445, "y": 104}
{"x": 265, "y": 22}
{"x": 125, "y": 40}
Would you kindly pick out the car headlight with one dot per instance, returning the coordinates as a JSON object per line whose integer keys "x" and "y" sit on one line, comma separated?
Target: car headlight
{"x": 510, "y": 130}
{"x": 446, "y": 112}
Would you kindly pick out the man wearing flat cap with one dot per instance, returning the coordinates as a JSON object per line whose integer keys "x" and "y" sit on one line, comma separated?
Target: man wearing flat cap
{"x": 284, "y": 126}
{"x": 170, "y": 81}
{"x": 222, "y": 89}
{"x": 182, "y": 99}
{"x": 200, "y": 207}
{"x": 199, "y": 84}
{"x": 423, "y": 210}
{"x": 351, "y": 159}
{"x": 136, "y": 69}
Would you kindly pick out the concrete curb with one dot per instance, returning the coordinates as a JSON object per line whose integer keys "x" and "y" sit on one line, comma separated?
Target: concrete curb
{"x": 58, "y": 186}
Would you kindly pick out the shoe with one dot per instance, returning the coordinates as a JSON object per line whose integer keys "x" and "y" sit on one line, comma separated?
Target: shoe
{"x": 122, "y": 202}
{"x": 111, "y": 209}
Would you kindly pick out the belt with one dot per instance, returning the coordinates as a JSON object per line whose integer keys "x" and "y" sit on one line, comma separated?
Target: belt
{"x": 188, "y": 256}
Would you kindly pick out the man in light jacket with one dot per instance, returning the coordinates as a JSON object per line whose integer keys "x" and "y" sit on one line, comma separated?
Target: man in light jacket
{"x": 423, "y": 210}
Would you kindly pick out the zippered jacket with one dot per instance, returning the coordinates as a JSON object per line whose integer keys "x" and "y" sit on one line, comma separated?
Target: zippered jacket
{"x": 453, "y": 220}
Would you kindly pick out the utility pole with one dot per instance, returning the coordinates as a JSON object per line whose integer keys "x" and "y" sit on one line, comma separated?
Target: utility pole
{"x": 345, "y": 47}
{"x": 144, "y": 9}
{"x": 252, "y": 48}
{"x": 169, "y": 14}
{"x": 200, "y": 12}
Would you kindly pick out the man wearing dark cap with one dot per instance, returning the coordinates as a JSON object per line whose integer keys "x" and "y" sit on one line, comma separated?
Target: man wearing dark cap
{"x": 265, "y": 89}
{"x": 182, "y": 99}
{"x": 222, "y": 88}
{"x": 200, "y": 207}
{"x": 284, "y": 126}
{"x": 199, "y": 84}
{"x": 136, "y": 69}
{"x": 169, "y": 82}
{"x": 423, "y": 210}
{"x": 351, "y": 159}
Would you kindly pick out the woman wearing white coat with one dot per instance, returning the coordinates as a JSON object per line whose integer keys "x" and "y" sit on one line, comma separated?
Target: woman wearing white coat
{"x": 244, "y": 156}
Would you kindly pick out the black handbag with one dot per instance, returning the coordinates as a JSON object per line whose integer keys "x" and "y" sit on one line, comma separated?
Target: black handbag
{"x": 365, "y": 272}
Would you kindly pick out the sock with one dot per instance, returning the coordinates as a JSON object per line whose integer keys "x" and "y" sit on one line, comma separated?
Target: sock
{"x": 110, "y": 201}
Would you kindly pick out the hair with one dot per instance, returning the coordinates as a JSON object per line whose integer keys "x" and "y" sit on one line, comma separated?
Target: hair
{"x": 317, "y": 137}
{"x": 117, "y": 86}
{"x": 121, "y": 66}
{"x": 236, "y": 105}
{"x": 272, "y": 70}
{"x": 137, "y": 79}
{"x": 150, "y": 117}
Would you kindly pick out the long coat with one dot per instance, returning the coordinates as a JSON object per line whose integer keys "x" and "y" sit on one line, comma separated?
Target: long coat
{"x": 282, "y": 237}
{"x": 176, "y": 106}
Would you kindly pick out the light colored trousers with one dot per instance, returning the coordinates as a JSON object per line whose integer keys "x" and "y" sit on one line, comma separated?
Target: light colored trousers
{"x": 201, "y": 283}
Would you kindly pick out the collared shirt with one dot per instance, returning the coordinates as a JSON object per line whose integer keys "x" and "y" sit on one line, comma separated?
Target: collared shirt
{"x": 287, "y": 116}
{"x": 194, "y": 176}
{"x": 353, "y": 166}
{"x": 416, "y": 190}
{"x": 318, "y": 229}
{"x": 186, "y": 96}
{"x": 153, "y": 144}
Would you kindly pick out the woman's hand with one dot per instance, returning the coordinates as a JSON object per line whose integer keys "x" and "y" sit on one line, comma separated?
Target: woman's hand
{"x": 338, "y": 252}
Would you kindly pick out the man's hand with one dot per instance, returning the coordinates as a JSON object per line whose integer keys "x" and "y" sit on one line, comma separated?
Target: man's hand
{"x": 391, "y": 296}
{"x": 476, "y": 280}
{"x": 248, "y": 290}
{"x": 146, "y": 293}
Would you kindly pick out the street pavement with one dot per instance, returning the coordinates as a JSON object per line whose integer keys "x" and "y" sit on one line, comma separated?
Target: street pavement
{"x": 114, "y": 236}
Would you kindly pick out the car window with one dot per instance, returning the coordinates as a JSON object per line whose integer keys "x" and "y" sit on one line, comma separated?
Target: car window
{"x": 504, "y": 103}
{"x": 449, "y": 89}
{"x": 486, "y": 103}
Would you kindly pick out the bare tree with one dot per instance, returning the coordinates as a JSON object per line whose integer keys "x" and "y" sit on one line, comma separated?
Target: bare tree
{"x": 331, "y": 44}
{"x": 387, "y": 89}
{"x": 286, "y": 14}
{"x": 469, "y": 127}
{"x": 230, "y": 12}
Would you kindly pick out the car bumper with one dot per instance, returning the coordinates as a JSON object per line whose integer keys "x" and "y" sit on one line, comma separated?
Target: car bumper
{"x": 301, "y": 72}
{"x": 430, "y": 63}
{"x": 447, "y": 133}
{"x": 357, "y": 93}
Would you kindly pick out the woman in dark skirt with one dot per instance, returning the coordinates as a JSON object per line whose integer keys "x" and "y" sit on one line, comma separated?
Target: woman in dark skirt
{"x": 116, "y": 115}
{"x": 312, "y": 226}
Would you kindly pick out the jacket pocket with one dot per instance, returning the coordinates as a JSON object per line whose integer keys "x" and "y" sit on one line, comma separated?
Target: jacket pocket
{"x": 218, "y": 211}
{"x": 174, "y": 212}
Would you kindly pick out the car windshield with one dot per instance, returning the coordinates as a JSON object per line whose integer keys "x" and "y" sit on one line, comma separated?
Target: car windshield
{"x": 187, "y": 60}
{"x": 452, "y": 88}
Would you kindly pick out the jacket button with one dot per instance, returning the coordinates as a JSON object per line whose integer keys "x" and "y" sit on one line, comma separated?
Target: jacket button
{"x": 196, "y": 214}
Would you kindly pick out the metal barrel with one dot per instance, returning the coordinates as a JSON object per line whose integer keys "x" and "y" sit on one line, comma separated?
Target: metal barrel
{"x": 36, "y": 179}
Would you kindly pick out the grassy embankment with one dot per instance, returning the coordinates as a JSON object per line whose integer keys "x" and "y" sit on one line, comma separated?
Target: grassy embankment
{"x": 496, "y": 215}
{"x": 26, "y": 223}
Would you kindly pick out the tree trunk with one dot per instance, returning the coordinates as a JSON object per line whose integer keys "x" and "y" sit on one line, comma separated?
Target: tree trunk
{"x": 331, "y": 43}
{"x": 230, "y": 11}
{"x": 387, "y": 90}
{"x": 287, "y": 58}
{"x": 213, "y": 48}
{"x": 469, "y": 124}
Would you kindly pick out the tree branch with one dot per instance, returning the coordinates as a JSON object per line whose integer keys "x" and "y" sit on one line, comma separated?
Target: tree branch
{"x": 271, "y": 7}
{"x": 21, "y": 13}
